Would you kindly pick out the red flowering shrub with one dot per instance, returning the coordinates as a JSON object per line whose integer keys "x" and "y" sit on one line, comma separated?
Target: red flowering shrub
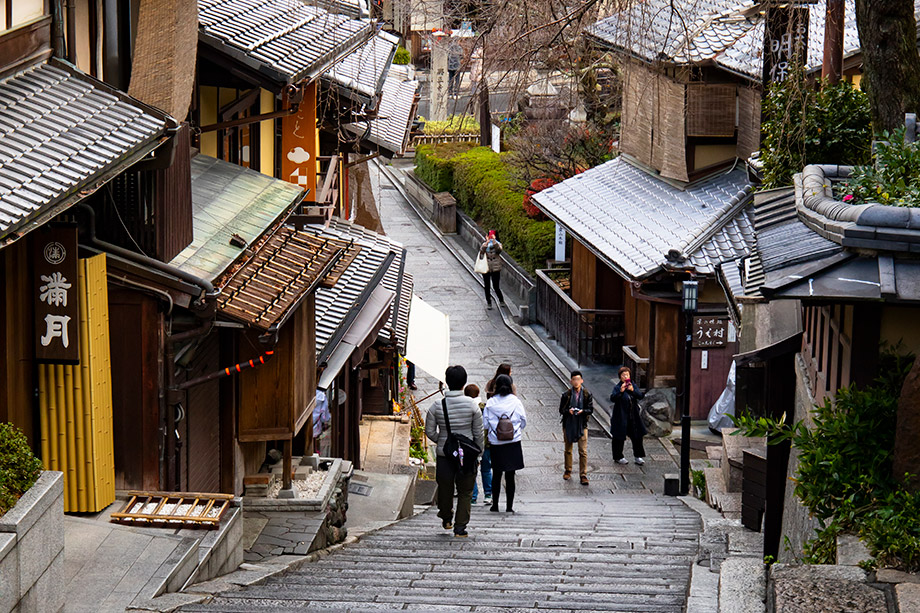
{"x": 538, "y": 185}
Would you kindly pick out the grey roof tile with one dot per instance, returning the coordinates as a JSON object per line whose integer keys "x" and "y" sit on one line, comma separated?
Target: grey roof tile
{"x": 60, "y": 131}
{"x": 363, "y": 70}
{"x": 634, "y": 219}
{"x": 332, "y": 304}
{"x": 390, "y": 130}
{"x": 727, "y": 32}
{"x": 286, "y": 39}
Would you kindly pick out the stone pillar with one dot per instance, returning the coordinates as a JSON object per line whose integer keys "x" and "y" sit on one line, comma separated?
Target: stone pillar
{"x": 438, "y": 79}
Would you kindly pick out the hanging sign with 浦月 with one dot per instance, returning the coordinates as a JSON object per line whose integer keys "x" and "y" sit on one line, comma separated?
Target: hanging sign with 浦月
{"x": 55, "y": 295}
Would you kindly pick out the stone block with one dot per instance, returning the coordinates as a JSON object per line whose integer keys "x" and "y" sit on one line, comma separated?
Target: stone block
{"x": 908, "y": 597}
{"x": 851, "y": 551}
{"x": 47, "y": 594}
{"x": 660, "y": 410}
{"x": 715, "y": 485}
{"x": 742, "y": 586}
{"x": 824, "y": 589}
{"x": 657, "y": 427}
{"x": 890, "y": 575}
{"x": 672, "y": 484}
{"x": 41, "y": 544}
{"x": 9, "y": 572}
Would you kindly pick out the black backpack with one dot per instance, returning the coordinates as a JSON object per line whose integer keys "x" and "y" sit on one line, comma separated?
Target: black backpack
{"x": 461, "y": 449}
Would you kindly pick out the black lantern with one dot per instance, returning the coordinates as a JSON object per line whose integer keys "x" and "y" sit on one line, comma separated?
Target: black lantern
{"x": 690, "y": 291}
{"x": 690, "y": 297}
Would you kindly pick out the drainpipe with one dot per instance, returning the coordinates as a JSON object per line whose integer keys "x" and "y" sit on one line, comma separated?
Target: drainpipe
{"x": 57, "y": 29}
{"x": 208, "y": 292}
{"x": 832, "y": 67}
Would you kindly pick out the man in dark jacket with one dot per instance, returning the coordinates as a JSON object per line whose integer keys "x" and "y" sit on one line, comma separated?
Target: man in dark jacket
{"x": 576, "y": 405}
{"x": 625, "y": 421}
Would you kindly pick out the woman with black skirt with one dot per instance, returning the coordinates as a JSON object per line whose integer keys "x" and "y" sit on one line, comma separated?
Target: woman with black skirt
{"x": 507, "y": 455}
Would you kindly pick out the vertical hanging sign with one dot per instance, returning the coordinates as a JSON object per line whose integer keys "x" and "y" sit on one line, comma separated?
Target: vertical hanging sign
{"x": 785, "y": 42}
{"x": 300, "y": 143}
{"x": 55, "y": 295}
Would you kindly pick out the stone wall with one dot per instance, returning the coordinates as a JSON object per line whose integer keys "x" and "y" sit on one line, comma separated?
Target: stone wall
{"x": 798, "y": 526}
{"x": 32, "y": 549}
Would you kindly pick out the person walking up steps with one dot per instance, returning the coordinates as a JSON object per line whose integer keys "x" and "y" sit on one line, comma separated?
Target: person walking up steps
{"x": 505, "y": 421}
{"x": 465, "y": 419}
{"x": 626, "y": 421}
{"x": 485, "y": 464}
{"x": 576, "y": 405}
{"x": 492, "y": 250}
{"x": 503, "y": 369}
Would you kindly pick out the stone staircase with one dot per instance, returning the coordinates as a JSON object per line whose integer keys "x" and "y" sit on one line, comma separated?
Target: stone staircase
{"x": 620, "y": 552}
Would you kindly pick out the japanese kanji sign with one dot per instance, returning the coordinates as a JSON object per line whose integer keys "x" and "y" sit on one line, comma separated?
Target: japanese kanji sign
{"x": 710, "y": 331}
{"x": 785, "y": 42}
{"x": 56, "y": 298}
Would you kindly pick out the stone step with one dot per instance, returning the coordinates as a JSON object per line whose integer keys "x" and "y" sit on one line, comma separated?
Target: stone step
{"x": 742, "y": 586}
{"x": 715, "y": 486}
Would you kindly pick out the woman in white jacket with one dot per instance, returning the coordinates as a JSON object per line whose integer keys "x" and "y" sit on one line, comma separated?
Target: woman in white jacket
{"x": 507, "y": 455}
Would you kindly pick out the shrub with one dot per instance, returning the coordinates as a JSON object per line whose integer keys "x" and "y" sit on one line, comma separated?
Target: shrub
{"x": 894, "y": 179}
{"x": 402, "y": 56}
{"x": 844, "y": 476}
{"x": 455, "y": 124}
{"x": 19, "y": 468}
{"x": 433, "y": 164}
{"x": 536, "y": 186}
{"x": 487, "y": 190}
{"x": 804, "y": 126}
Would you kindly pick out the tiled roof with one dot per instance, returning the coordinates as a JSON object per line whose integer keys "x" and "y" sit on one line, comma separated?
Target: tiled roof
{"x": 228, "y": 199}
{"x": 390, "y": 130}
{"x": 640, "y": 223}
{"x": 63, "y": 134}
{"x": 395, "y": 279}
{"x": 363, "y": 70}
{"x": 286, "y": 40}
{"x": 352, "y": 8}
{"x": 334, "y": 303}
{"x": 727, "y": 32}
{"x": 290, "y": 264}
{"x": 729, "y": 241}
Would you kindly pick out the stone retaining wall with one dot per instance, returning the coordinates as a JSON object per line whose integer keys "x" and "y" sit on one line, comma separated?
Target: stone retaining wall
{"x": 32, "y": 549}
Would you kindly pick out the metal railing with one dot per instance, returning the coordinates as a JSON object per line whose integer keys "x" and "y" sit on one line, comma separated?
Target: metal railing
{"x": 588, "y": 335}
{"x": 429, "y": 139}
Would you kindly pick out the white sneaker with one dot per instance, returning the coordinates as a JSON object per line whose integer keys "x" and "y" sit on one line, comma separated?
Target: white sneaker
{"x": 640, "y": 461}
{"x": 622, "y": 461}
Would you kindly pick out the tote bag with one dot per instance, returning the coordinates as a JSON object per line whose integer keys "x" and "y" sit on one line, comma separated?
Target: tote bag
{"x": 482, "y": 265}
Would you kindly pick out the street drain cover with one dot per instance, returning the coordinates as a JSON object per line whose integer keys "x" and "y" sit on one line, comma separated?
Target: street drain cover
{"x": 515, "y": 359}
{"x": 360, "y": 489}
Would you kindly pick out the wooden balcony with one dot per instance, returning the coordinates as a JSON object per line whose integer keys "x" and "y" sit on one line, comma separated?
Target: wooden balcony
{"x": 588, "y": 335}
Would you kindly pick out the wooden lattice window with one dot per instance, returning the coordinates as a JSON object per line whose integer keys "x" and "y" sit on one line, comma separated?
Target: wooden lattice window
{"x": 711, "y": 110}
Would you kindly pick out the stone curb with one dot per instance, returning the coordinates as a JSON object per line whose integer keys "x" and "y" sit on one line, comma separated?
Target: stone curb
{"x": 524, "y": 333}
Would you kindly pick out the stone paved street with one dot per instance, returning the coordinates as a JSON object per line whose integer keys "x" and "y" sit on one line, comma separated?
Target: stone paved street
{"x": 615, "y": 545}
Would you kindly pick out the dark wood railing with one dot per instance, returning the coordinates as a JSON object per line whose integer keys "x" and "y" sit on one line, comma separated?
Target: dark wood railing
{"x": 588, "y": 335}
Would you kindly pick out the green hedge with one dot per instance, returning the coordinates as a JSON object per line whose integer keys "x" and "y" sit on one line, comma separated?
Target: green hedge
{"x": 433, "y": 164}
{"x": 19, "y": 468}
{"x": 486, "y": 190}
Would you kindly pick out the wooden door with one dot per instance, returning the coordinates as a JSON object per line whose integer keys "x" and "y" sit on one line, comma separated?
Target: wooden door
{"x": 201, "y": 449}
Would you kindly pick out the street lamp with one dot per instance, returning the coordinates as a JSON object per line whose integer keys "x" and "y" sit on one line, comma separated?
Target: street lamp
{"x": 690, "y": 297}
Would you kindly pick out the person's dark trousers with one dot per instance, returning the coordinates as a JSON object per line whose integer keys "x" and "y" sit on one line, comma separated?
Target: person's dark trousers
{"x": 638, "y": 447}
{"x": 497, "y": 489}
{"x": 448, "y": 477}
{"x": 410, "y": 373}
{"x": 493, "y": 279}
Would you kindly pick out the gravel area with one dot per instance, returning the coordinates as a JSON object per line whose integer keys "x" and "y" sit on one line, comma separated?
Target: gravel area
{"x": 306, "y": 488}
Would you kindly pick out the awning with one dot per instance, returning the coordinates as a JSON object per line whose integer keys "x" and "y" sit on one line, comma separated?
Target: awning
{"x": 360, "y": 335}
{"x": 289, "y": 265}
{"x": 64, "y": 135}
{"x": 428, "y": 345}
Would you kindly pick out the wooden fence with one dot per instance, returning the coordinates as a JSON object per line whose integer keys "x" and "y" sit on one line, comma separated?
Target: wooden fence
{"x": 588, "y": 335}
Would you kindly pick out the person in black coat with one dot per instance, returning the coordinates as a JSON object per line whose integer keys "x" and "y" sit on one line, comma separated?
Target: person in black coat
{"x": 626, "y": 421}
{"x": 576, "y": 405}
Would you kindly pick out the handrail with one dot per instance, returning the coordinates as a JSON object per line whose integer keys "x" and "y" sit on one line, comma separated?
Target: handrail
{"x": 632, "y": 355}
{"x": 541, "y": 275}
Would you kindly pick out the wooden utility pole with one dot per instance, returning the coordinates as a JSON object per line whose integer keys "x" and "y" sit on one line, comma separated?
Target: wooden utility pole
{"x": 832, "y": 67}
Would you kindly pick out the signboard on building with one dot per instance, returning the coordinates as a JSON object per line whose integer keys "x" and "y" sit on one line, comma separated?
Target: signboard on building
{"x": 300, "y": 143}
{"x": 56, "y": 295}
{"x": 785, "y": 42}
{"x": 710, "y": 331}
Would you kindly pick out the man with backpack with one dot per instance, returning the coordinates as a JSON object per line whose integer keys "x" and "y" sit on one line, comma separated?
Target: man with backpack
{"x": 576, "y": 405}
{"x": 455, "y": 423}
